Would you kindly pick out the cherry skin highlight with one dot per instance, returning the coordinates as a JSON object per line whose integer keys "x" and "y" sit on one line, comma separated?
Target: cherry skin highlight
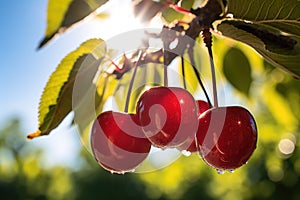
{"x": 191, "y": 146}
{"x": 226, "y": 137}
{"x": 168, "y": 116}
{"x": 118, "y": 142}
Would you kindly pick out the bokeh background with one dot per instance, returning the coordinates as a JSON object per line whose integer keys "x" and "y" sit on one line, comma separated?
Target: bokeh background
{"x": 57, "y": 167}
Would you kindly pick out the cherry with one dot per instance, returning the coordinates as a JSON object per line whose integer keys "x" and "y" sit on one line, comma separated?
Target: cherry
{"x": 203, "y": 106}
{"x": 226, "y": 137}
{"x": 191, "y": 145}
{"x": 118, "y": 142}
{"x": 168, "y": 116}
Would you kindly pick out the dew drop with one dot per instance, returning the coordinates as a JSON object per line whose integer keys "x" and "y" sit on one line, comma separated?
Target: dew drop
{"x": 220, "y": 171}
{"x": 231, "y": 170}
{"x": 186, "y": 153}
{"x": 163, "y": 148}
{"x": 111, "y": 171}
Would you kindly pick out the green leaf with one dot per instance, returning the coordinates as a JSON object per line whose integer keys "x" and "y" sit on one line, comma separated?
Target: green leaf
{"x": 170, "y": 15}
{"x": 63, "y": 14}
{"x": 275, "y": 50}
{"x": 237, "y": 70}
{"x": 56, "y": 100}
{"x": 89, "y": 107}
{"x": 187, "y": 4}
{"x": 279, "y": 14}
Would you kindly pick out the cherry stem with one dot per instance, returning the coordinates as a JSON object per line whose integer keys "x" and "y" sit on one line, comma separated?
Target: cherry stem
{"x": 165, "y": 71}
{"x": 190, "y": 53}
{"x": 206, "y": 34}
{"x": 131, "y": 82}
{"x": 183, "y": 72}
{"x": 116, "y": 66}
{"x": 176, "y": 7}
{"x": 213, "y": 75}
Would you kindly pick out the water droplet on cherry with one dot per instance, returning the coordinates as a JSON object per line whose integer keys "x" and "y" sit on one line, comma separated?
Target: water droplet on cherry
{"x": 186, "y": 153}
{"x": 220, "y": 171}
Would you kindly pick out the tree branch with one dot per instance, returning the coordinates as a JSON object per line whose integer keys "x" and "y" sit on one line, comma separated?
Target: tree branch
{"x": 204, "y": 17}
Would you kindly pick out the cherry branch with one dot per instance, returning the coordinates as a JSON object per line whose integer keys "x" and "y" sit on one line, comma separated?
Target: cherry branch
{"x": 204, "y": 17}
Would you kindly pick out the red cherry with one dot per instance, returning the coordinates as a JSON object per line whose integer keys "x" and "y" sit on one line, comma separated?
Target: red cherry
{"x": 226, "y": 137}
{"x": 203, "y": 106}
{"x": 118, "y": 142}
{"x": 191, "y": 145}
{"x": 168, "y": 116}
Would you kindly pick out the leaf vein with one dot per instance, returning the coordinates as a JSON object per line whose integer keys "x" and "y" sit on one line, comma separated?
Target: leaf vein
{"x": 278, "y": 13}
{"x": 268, "y": 10}
{"x": 278, "y": 20}
{"x": 243, "y": 6}
{"x": 250, "y": 4}
{"x": 290, "y": 13}
{"x": 259, "y": 11}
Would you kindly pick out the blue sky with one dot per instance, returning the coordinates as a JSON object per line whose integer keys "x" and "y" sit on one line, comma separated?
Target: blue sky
{"x": 22, "y": 75}
{"x": 25, "y": 71}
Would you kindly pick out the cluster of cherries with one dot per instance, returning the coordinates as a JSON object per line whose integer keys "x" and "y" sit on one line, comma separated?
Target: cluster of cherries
{"x": 170, "y": 117}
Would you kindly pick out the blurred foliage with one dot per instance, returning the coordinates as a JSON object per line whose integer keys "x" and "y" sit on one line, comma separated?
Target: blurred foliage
{"x": 273, "y": 171}
{"x": 23, "y": 177}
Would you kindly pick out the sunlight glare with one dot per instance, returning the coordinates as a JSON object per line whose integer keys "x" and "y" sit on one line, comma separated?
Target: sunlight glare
{"x": 122, "y": 22}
